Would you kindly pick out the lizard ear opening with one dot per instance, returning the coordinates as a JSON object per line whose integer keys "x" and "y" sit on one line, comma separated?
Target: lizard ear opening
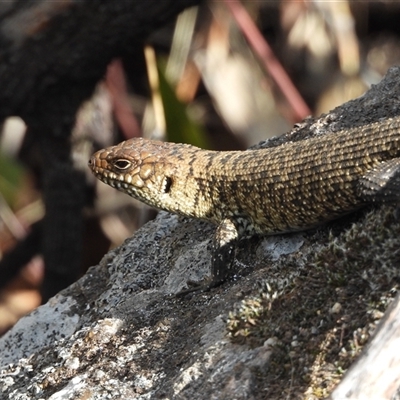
{"x": 167, "y": 184}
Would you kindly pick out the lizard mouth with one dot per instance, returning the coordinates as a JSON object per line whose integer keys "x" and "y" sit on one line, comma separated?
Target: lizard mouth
{"x": 100, "y": 173}
{"x": 118, "y": 181}
{"x": 93, "y": 165}
{"x": 97, "y": 170}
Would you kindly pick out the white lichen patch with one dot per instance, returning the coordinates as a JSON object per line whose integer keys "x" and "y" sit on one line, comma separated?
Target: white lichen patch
{"x": 277, "y": 246}
{"x": 49, "y": 323}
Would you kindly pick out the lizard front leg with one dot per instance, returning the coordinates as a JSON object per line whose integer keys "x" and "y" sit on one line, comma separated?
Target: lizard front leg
{"x": 223, "y": 253}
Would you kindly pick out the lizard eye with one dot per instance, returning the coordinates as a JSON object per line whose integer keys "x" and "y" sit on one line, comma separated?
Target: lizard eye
{"x": 122, "y": 164}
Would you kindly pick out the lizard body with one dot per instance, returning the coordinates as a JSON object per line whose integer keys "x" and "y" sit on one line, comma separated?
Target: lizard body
{"x": 290, "y": 187}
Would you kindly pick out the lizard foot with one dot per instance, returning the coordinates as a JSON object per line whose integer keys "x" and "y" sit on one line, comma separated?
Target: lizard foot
{"x": 202, "y": 286}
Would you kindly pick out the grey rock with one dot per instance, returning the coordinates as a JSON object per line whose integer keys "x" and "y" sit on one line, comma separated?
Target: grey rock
{"x": 120, "y": 333}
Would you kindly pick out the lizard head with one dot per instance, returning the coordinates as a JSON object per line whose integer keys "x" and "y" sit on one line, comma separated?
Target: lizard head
{"x": 138, "y": 167}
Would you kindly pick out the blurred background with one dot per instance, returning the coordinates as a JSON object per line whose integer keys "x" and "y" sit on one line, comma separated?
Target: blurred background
{"x": 224, "y": 76}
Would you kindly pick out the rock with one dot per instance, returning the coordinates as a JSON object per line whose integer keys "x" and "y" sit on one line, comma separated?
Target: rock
{"x": 119, "y": 332}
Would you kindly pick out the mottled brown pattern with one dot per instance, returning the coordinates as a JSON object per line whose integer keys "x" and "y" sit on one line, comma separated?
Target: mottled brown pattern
{"x": 293, "y": 186}
{"x": 290, "y": 187}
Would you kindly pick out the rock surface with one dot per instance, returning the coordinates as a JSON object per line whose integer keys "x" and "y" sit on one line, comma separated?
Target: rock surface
{"x": 290, "y": 322}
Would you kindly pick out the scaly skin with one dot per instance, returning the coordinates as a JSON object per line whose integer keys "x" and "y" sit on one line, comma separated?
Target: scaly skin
{"x": 294, "y": 186}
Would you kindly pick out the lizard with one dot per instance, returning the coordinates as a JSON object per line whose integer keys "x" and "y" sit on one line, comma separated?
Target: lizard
{"x": 293, "y": 186}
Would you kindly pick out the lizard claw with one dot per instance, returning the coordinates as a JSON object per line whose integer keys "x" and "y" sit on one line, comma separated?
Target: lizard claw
{"x": 197, "y": 287}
